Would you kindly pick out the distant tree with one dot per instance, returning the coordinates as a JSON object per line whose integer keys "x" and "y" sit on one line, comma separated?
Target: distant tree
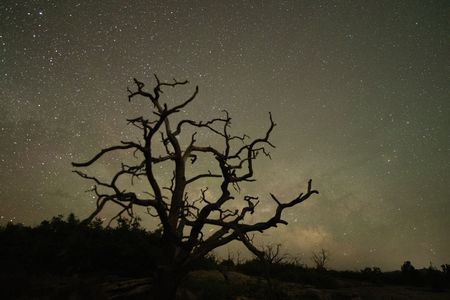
{"x": 320, "y": 259}
{"x": 183, "y": 219}
{"x": 407, "y": 267}
{"x": 272, "y": 254}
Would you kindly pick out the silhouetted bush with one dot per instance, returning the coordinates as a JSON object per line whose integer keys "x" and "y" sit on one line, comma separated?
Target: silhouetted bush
{"x": 67, "y": 246}
{"x": 407, "y": 267}
{"x": 289, "y": 272}
{"x": 229, "y": 263}
{"x": 209, "y": 262}
{"x": 373, "y": 274}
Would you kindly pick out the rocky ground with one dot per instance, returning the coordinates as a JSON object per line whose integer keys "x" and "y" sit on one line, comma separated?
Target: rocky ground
{"x": 252, "y": 287}
{"x": 211, "y": 285}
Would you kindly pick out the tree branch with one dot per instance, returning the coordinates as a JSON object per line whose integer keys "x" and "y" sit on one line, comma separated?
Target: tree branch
{"x": 104, "y": 151}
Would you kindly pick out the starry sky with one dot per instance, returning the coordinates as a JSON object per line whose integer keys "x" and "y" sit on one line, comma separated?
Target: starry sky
{"x": 359, "y": 91}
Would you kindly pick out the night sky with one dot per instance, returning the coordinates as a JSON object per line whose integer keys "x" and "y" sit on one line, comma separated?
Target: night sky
{"x": 359, "y": 91}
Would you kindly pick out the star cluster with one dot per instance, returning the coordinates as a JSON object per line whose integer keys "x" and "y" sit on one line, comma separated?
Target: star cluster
{"x": 359, "y": 92}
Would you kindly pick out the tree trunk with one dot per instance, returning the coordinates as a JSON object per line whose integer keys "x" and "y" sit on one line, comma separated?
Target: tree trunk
{"x": 168, "y": 279}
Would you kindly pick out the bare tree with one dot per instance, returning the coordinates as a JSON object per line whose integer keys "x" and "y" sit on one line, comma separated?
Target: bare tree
{"x": 272, "y": 254}
{"x": 182, "y": 219}
{"x": 320, "y": 259}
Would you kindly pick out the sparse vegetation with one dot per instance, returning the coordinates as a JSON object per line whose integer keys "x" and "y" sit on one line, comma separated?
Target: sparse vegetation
{"x": 61, "y": 257}
{"x": 320, "y": 259}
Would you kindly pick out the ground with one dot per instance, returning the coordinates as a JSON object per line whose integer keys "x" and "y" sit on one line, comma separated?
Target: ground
{"x": 211, "y": 285}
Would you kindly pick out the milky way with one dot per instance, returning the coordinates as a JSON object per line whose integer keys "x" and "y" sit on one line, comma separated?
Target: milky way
{"x": 359, "y": 91}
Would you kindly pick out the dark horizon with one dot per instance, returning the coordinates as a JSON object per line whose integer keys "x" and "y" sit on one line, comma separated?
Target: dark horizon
{"x": 359, "y": 92}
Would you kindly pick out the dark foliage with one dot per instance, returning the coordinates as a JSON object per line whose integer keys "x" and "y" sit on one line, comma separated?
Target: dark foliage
{"x": 289, "y": 272}
{"x": 209, "y": 262}
{"x": 66, "y": 247}
{"x": 446, "y": 269}
{"x": 427, "y": 277}
{"x": 34, "y": 259}
{"x": 407, "y": 268}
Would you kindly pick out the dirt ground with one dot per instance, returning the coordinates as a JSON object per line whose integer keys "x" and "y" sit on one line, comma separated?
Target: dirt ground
{"x": 208, "y": 285}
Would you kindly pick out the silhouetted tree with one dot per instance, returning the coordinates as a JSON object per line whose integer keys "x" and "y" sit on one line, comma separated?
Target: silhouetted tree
{"x": 407, "y": 267}
{"x": 183, "y": 220}
{"x": 320, "y": 259}
{"x": 272, "y": 254}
